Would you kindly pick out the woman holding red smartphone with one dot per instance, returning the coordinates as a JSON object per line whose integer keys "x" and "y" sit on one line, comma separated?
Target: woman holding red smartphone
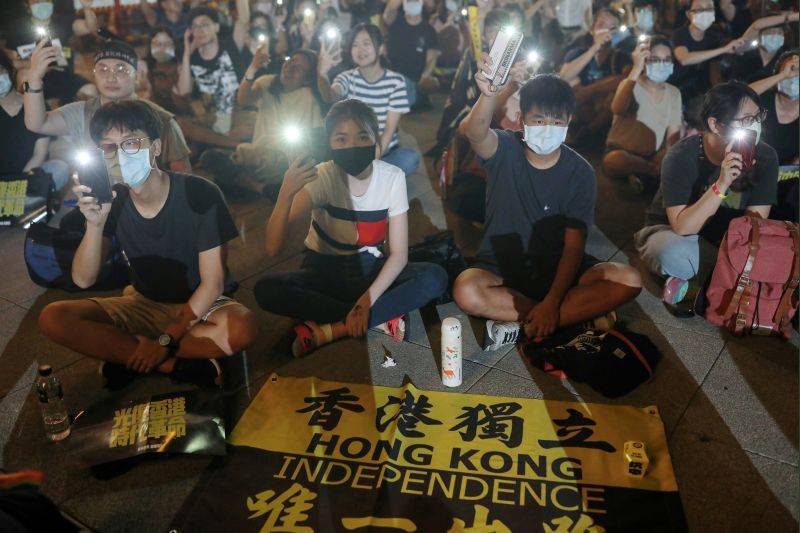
{"x": 706, "y": 181}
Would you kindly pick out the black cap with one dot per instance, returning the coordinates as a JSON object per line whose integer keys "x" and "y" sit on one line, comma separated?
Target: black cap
{"x": 45, "y": 370}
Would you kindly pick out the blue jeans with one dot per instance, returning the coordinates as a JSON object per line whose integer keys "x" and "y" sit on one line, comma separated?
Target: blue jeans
{"x": 59, "y": 172}
{"x": 669, "y": 254}
{"x": 404, "y": 158}
{"x": 326, "y": 288}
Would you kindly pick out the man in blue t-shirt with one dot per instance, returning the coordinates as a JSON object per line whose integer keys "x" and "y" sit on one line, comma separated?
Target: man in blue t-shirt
{"x": 532, "y": 273}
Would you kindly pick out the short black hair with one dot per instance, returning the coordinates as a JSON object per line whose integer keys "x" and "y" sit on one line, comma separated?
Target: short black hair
{"x": 655, "y": 4}
{"x": 497, "y": 17}
{"x": 128, "y": 115}
{"x": 723, "y": 101}
{"x": 375, "y": 36}
{"x": 784, "y": 56}
{"x": 548, "y": 92}
{"x": 660, "y": 40}
{"x": 358, "y": 112}
{"x": 613, "y": 12}
{"x": 203, "y": 11}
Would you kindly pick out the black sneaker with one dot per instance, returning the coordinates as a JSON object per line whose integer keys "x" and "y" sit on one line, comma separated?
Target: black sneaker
{"x": 202, "y": 372}
{"x": 115, "y": 375}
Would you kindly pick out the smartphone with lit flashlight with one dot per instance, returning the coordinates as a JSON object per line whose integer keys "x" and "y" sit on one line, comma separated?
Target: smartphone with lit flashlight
{"x": 504, "y": 50}
{"x": 744, "y": 143}
{"x": 93, "y": 173}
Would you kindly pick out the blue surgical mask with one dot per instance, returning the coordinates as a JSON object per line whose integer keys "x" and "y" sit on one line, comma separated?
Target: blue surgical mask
{"x": 790, "y": 87}
{"x": 451, "y": 5}
{"x": 42, "y": 10}
{"x": 772, "y": 42}
{"x": 644, "y": 20}
{"x": 545, "y": 140}
{"x": 5, "y": 84}
{"x": 658, "y": 72}
{"x": 412, "y": 8}
{"x": 617, "y": 37}
{"x": 135, "y": 168}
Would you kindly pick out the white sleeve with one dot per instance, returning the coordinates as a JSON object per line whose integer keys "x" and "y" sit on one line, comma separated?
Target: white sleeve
{"x": 398, "y": 196}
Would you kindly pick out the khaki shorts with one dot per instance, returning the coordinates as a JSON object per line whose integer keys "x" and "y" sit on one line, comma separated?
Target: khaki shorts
{"x": 139, "y": 315}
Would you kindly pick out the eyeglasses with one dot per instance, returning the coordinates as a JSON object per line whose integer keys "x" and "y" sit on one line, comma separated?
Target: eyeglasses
{"x": 658, "y": 61}
{"x": 749, "y": 120}
{"x": 702, "y": 10}
{"x": 203, "y": 26}
{"x": 117, "y": 70}
{"x": 129, "y": 146}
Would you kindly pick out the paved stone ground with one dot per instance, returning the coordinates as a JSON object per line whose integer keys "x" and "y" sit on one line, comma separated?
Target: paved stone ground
{"x": 730, "y": 406}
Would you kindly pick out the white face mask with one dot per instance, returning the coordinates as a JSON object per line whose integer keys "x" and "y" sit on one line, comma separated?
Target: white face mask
{"x": 545, "y": 140}
{"x": 162, "y": 56}
{"x": 704, "y": 20}
{"x": 412, "y": 8}
{"x": 135, "y": 168}
{"x": 5, "y": 84}
{"x": 644, "y": 20}
{"x": 756, "y": 127}
{"x": 658, "y": 72}
{"x": 772, "y": 42}
{"x": 42, "y": 10}
{"x": 451, "y": 5}
{"x": 790, "y": 87}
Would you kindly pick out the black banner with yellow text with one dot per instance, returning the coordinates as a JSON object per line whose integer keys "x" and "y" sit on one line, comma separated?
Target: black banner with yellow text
{"x": 313, "y": 455}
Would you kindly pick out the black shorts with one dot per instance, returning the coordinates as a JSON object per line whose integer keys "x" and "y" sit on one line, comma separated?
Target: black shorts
{"x": 532, "y": 276}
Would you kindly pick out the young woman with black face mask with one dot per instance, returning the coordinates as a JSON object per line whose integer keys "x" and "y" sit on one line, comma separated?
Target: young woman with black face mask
{"x": 350, "y": 279}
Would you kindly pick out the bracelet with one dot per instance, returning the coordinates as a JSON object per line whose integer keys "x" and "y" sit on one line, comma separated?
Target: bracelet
{"x": 716, "y": 191}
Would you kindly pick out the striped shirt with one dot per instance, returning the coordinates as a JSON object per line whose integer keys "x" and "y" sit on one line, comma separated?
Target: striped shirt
{"x": 386, "y": 94}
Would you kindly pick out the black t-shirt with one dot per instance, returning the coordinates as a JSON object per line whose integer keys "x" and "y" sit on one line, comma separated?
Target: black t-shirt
{"x": 17, "y": 142}
{"x": 748, "y": 67}
{"x": 614, "y": 63}
{"x": 527, "y": 209}
{"x": 164, "y": 251}
{"x": 694, "y": 79}
{"x": 685, "y": 177}
{"x": 408, "y": 45}
{"x": 218, "y": 78}
{"x": 785, "y": 138}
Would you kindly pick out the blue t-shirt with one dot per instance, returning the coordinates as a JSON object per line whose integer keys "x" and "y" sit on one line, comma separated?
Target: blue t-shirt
{"x": 527, "y": 209}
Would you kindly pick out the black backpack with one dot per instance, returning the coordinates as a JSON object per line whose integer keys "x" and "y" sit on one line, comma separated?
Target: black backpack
{"x": 49, "y": 252}
{"x": 613, "y": 362}
{"x": 441, "y": 249}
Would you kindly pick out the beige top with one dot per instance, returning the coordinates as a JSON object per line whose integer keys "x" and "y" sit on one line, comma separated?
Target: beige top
{"x": 298, "y": 108}
{"x": 659, "y": 116}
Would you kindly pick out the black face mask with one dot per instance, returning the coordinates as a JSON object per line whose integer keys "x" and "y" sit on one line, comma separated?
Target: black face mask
{"x": 354, "y": 160}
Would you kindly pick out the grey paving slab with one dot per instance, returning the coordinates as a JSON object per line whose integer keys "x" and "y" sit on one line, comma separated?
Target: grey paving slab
{"x": 753, "y": 387}
{"x": 598, "y": 245}
{"x": 685, "y": 363}
{"x": 159, "y": 486}
{"x": 15, "y": 285}
{"x": 10, "y": 409}
{"x": 23, "y": 343}
{"x": 247, "y": 254}
{"x": 722, "y": 486}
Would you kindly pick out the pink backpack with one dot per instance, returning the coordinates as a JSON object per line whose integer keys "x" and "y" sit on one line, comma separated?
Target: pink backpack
{"x": 753, "y": 288}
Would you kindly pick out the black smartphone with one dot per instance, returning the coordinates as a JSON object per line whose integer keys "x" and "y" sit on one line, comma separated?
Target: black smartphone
{"x": 318, "y": 145}
{"x": 93, "y": 173}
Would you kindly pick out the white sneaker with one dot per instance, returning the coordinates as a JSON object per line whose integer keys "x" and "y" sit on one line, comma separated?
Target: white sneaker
{"x": 500, "y": 334}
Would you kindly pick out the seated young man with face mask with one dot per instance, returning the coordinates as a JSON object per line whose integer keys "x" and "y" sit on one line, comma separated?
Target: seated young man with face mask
{"x": 177, "y": 317}
{"x": 532, "y": 273}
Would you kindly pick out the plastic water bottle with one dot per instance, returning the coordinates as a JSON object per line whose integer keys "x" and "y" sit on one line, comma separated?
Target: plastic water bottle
{"x": 451, "y": 352}
{"x": 51, "y": 400}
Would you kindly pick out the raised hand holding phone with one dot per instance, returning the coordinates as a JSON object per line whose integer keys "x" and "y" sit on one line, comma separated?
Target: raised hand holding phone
{"x": 42, "y": 59}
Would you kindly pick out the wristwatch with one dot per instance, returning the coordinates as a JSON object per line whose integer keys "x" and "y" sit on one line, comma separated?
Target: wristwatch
{"x": 27, "y": 88}
{"x": 165, "y": 340}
